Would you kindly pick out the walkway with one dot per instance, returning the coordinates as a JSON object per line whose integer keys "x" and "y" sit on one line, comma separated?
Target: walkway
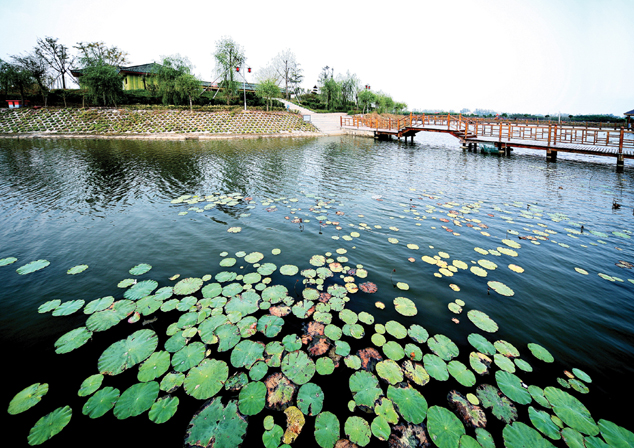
{"x": 328, "y": 124}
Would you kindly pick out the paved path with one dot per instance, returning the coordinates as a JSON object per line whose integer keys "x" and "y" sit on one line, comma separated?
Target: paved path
{"x": 328, "y": 124}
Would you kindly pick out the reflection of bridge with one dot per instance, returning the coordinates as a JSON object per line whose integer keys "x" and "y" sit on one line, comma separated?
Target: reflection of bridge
{"x": 591, "y": 139}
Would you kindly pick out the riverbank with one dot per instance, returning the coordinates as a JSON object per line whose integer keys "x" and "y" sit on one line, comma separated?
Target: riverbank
{"x": 151, "y": 124}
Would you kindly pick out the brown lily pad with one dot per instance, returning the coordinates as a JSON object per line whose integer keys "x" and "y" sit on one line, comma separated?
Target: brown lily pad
{"x": 280, "y": 391}
{"x": 369, "y": 358}
{"x": 294, "y": 423}
{"x": 368, "y": 287}
{"x": 345, "y": 443}
{"x": 280, "y": 311}
{"x": 312, "y": 330}
{"x": 470, "y": 414}
{"x": 409, "y": 436}
{"x": 319, "y": 345}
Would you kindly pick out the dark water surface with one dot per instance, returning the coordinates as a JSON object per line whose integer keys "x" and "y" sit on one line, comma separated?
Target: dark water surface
{"x": 107, "y": 204}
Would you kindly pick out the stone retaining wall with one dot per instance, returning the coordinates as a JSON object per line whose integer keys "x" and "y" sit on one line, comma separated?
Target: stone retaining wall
{"x": 111, "y": 122}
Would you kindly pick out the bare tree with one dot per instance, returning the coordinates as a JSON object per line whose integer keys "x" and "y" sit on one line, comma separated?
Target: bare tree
{"x": 99, "y": 51}
{"x": 287, "y": 69}
{"x": 56, "y": 56}
{"x": 228, "y": 55}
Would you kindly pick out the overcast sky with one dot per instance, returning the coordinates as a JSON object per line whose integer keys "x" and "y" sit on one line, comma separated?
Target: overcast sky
{"x": 533, "y": 56}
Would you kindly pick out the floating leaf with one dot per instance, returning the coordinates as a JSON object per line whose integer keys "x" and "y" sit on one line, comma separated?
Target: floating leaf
{"x": 471, "y": 414}
{"x": 571, "y": 411}
{"x": 409, "y": 403}
{"x": 289, "y": 269}
{"x": 27, "y": 398}
{"x": 445, "y": 429}
{"x": 294, "y": 424}
{"x": 502, "y": 407}
{"x": 49, "y": 425}
{"x": 501, "y": 289}
{"x": 98, "y": 305}
{"x": 479, "y": 362}
{"x": 128, "y": 352}
{"x": 396, "y": 329}
{"x": 324, "y": 366}
{"x": 504, "y": 363}
{"x": 68, "y": 308}
{"x": 477, "y": 270}
{"x": 163, "y": 409}
{"x": 140, "y": 290}
{"x": 298, "y": 367}
{"x": 357, "y": 430}
{"x": 541, "y": 420}
{"x": 101, "y": 402}
{"x": 247, "y": 353}
{"x": 188, "y": 286}
{"x": 405, "y": 306}
{"x": 519, "y": 435}
{"x": 215, "y": 425}
{"x": 540, "y": 353}
{"x": 234, "y": 229}
{"x": 583, "y": 376}
{"x": 442, "y": 346}
{"x": 616, "y": 435}
{"x": 460, "y": 372}
{"x": 8, "y": 261}
{"x": 77, "y": 269}
{"x": 327, "y": 430}
{"x": 90, "y": 385}
{"x": 436, "y": 367}
{"x": 49, "y": 306}
{"x": 154, "y": 367}
{"x": 252, "y": 397}
{"x": 310, "y": 399}
{"x": 418, "y": 333}
{"x": 393, "y": 350}
{"x": 365, "y": 388}
{"x": 511, "y": 386}
{"x": 270, "y": 325}
{"x": 72, "y": 340}
{"x": 32, "y": 267}
{"x": 140, "y": 269}
{"x": 136, "y": 399}
{"x": 482, "y": 321}
{"x": 389, "y": 371}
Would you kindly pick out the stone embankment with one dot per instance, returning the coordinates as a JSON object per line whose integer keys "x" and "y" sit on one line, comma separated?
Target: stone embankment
{"x": 152, "y": 124}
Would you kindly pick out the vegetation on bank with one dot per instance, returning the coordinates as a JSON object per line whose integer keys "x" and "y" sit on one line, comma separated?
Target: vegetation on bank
{"x": 150, "y": 121}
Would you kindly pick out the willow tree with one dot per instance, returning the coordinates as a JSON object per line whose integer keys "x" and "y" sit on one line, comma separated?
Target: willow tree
{"x": 267, "y": 89}
{"x": 188, "y": 86}
{"x": 228, "y": 55}
{"x": 167, "y": 73}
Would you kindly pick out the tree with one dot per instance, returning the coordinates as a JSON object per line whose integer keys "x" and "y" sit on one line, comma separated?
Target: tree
{"x": 170, "y": 69}
{"x": 37, "y": 67}
{"x": 56, "y": 56}
{"x": 268, "y": 89}
{"x": 287, "y": 69}
{"x": 99, "y": 51}
{"x": 188, "y": 85}
{"x": 102, "y": 81}
{"x": 350, "y": 86}
{"x": 228, "y": 55}
{"x": 366, "y": 99}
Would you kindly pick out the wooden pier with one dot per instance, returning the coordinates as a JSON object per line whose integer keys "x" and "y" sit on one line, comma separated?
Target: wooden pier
{"x": 593, "y": 139}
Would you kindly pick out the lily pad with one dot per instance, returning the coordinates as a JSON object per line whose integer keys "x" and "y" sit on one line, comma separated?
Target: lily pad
{"x": 504, "y": 363}
{"x": 506, "y": 348}
{"x": 128, "y": 352}
{"x": 583, "y": 376}
{"x": 616, "y": 435}
{"x": 228, "y": 336}
{"x": 405, "y": 306}
{"x": 482, "y": 321}
{"x": 436, "y": 367}
{"x": 163, "y": 409}
{"x": 393, "y": 350}
{"x": 7, "y": 261}
{"x": 140, "y": 290}
{"x": 409, "y": 403}
{"x": 98, "y": 305}
{"x": 172, "y": 381}
{"x": 310, "y": 399}
{"x": 217, "y": 425}
{"x": 68, "y": 308}
{"x": 27, "y": 398}
{"x": 136, "y": 399}
{"x": 445, "y": 429}
{"x": 390, "y": 371}
{"x": 49, "y": 425}
{"x": 270, "y": 325}
{"x": 154, "y": 367}
{"x": 571, "y": 411}
{"x": 444, "y": 347}
{"x": 519, "y": 435}
{"x": 289, "y": 269}
{"x": 365, "y": 389}
{"x": 247, "y": 353}
{"x": 90, "y": 385}
{"x": 324, "y": 366}
{"x": 501, "y": 407}
{"x": 140, "y": 269}
{"x": 357, "y": 430}
{"x": 77, "y": 269}
{"x": 396, "y": 329}
{"x": 72, "y": 340}
{"x": 252, "y": 398}
{"x": 540, "y": 353}
{"x": 32, "y": 267}
{"x": 501, "y": 288}
{"x": 294, "y": 423}
{"x": 298, "y": 367}
{"x": 460, "y": 372}
{"x": 101, "y": 402}
{"x": 327, "y": 430}
{"x": 418, "y": 333}
{"x": 541, "y": 420}
{"x": 511, "y": 386}
{"x": 49, "y": 306}
{"x": 188, "y": 286}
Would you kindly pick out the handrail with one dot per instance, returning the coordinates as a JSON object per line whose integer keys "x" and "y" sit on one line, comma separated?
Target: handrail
{"x": 464, "y": 127}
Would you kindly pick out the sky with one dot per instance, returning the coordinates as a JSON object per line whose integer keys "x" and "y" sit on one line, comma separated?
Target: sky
{"x": 516, "y": 56}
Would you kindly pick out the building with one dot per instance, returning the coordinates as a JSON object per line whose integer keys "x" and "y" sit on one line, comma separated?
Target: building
{"x": 629, "y": 116}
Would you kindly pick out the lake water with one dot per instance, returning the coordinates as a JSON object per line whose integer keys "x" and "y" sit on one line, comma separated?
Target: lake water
{"x": 108, "y": 204}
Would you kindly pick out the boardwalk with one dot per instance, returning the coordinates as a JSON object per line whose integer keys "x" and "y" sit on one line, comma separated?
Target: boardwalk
{"x": 551, "y": 137}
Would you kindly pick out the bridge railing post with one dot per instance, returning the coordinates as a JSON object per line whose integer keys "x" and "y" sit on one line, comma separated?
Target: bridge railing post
{"x": 621, "y": 141}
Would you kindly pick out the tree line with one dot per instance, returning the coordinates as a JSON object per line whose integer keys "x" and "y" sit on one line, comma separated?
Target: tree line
{"x": 172, "y": 81}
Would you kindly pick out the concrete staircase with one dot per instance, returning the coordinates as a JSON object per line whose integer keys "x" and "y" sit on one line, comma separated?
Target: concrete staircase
{"x": 328, "y": 124}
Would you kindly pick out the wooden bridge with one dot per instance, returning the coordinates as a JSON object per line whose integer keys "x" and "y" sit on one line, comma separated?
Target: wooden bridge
{"x": 589, "y": 138}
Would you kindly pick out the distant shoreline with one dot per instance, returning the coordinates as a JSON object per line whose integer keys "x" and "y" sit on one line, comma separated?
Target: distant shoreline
{"x": 159, "y": 136}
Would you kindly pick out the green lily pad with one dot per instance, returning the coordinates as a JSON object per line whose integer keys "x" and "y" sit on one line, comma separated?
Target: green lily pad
{"x": 481, "y": 344}
{"x": 482, "y": 321}
{"x": 409, "y": 403}
{"x": 274, "y": 294}
{"x": 7, "y": 261}
{"x": 103, "y": 320}
{"x": 393, "y": 350}
{"x": 348, "y": 316}
{"x": 502, "y": 407}
{"x": 49, "y": 425}
{"x": 454, "y": 308}
{"x": 267, "y": 269}
{"x": 413, "y": 352}
{"x": 405, "y": 306}
{"x": 298, "y": 367}
{"x": 140, "y": 290}
{"x": 252, "y": 398}
{"x": 479, "y": 362}
{"x": 247, "y": 353}
{"x": 583, "y": 376}
{"x": 126, "y": 282}
{"x": 217, "y": 425}
{"x": 246, "y": 303}
{"x": 504, "y": 363}
{"x": 188, "y": 356}
{"x": 232, "y": 289}
{"x": 511, "y": 386}
{"x": 467, "y": 441}
{"x": 460, "y": 372}
{"x": 442, "y": 346}
{"x": 616, "y": 435}
{"x": 148, "y": 305}
{"x": 541, "y": 420}
{"x": 90, "y": 385}
{"x": 365, "y": 388}
{"x": 188, "y": 286}
{"x": 501, "y": 289}
{"x": 272, "y": 437}
{"x": 163, "y": 409}
{"x": 396, "y": 329}
{"x": 101, "y": 402}
{"x": 270, "y": 325}
{"x": 228, "y": 336}
{"x": 68, "y": 308}
{"x": 436, "y": 367}
{"x": 357, "y": 430}
{"x": 445, "y": 429}
{"x": 289, "y": 269}
{"x": 327, "y": 430}
{"x": 172, "y": 381}
{"x": 390, "y": 371}
{"x": 506, "y": 348}
{"x": 253, "y": 257}
{"x": 128, "y": 352}
{"x": 77, "y": 269}
{"x": 292, "y": 342}
{"x": 415, "y": 373}
{"x": 333, "y": 332}
{"x": 98, "y": 305}
{"x": 310, "y": 399}
{"x": 381, "y": 428}
{"x": 540, "y": 353}
{"x": 72, "y": 340}
{"x": 227, "y": 262}
{"x": 366, "y": 318}
{"x": 154, "y": 367}
{"x": 27, "y": 398}
{"x": 136, "y": 399}
{"x": 49, "y": 306}
{"x": 418, "y": 333}
{"x": 571, "y": 411}
{"x": 519, "y": 435}
{"x": 523, "y": 365}
{"x": 324, "y": 366}
{"x": 140, "y": 269}
{"x": 484, "y": 438}
{"x": 32, "y": 267}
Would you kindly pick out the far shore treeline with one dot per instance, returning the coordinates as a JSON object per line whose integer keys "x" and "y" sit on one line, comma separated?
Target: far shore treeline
{"x": 89, "y": 74}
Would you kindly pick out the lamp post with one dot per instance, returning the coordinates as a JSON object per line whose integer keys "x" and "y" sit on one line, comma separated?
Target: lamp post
{"x": 367, "y": 88}
{"x": 244, "y": 85}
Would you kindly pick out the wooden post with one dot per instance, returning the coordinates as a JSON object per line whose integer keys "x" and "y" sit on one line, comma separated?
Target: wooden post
{"x": 621, "y": 141}
{"x": 549, "y": 135}
{"x": 500, "y": 132}
{"x": 555, "y": 137}
{"x": 509, "y": 139}
{"x": 448, "y": 121}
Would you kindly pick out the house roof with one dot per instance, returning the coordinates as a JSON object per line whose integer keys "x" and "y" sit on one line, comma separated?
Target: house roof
{"x": 142, "y": 69}
{"x": 629, "y": 113}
